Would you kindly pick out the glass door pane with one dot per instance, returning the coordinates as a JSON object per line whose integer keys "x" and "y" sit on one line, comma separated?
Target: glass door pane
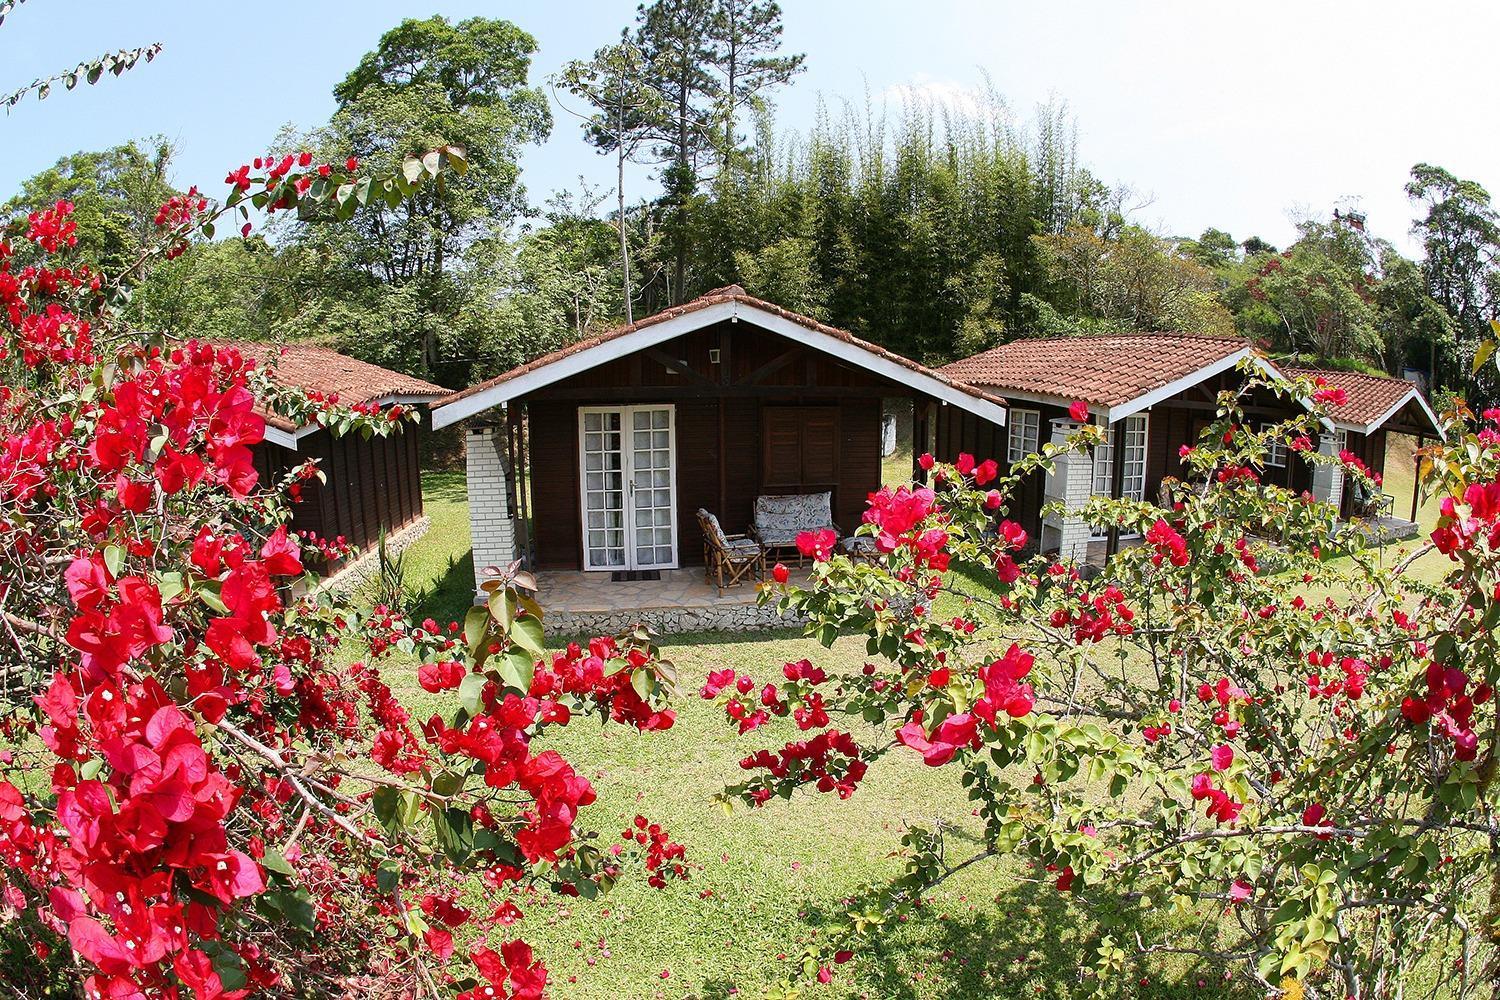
{"x": 1134, "y": 485}
{"x": 604, "y": 494}
{"x": 652, "y": 504}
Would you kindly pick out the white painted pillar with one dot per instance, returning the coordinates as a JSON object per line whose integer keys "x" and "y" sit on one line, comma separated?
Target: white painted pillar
{"x": 492, "y": 526}
{"x": 1071, "y": 482}
{"x": 1328, "y": 480}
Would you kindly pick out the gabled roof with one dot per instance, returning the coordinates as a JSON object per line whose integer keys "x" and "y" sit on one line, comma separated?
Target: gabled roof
{"x": 730, "y": 302}
{"x": 1116, "y": 374}
{"x": 314, "y": 368}
{"x": 1372, "y": 399}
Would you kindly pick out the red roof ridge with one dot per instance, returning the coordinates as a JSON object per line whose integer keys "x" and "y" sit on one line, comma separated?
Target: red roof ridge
{"x": 1106, "y": 369}
{"x": 320, "y": 368}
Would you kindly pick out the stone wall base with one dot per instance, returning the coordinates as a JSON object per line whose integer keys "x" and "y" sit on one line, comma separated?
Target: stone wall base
{"x": 669, "y": 621}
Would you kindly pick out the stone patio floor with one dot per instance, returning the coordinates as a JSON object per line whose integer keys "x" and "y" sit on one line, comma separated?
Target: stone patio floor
{"x": 682, "y": 600}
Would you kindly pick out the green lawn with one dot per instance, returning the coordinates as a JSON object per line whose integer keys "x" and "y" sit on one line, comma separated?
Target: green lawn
{"x": 767, "y": 879}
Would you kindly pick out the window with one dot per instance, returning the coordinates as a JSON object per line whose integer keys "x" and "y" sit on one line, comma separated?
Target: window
{"x": 1025, "y": 430}
{"x": 1275, "y": 448}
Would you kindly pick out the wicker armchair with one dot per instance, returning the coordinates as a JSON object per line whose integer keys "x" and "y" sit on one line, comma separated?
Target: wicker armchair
{"x": 729, "y": 559}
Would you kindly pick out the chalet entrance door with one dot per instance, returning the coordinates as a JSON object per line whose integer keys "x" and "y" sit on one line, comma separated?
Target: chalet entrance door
{"x": 1133, "y": 486}
{"x": 628, "y": 483}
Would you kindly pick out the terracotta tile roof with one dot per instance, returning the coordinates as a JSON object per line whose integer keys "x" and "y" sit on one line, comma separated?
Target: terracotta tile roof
{"x": 729, "y": 293}
{"x": 1370, "y": 397}
{"x": 1104, "y": 369}
{"x": 322, "y": 369}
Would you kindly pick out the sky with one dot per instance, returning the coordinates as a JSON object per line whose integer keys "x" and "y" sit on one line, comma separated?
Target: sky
{"x": 1232, "y": 115}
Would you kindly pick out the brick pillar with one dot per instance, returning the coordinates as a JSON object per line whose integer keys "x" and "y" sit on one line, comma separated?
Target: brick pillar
{"x": 1072, "y": 483}
{"x": 1328, "y": 480}
{"x": 492, "y": 525}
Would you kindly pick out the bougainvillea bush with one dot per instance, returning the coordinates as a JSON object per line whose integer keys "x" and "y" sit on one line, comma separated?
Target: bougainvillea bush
{"x": 198, "y": 798}
{"x": 1248, "y": 742}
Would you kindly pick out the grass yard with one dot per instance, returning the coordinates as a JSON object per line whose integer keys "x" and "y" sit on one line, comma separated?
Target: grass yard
{"x": 768, "y": 879}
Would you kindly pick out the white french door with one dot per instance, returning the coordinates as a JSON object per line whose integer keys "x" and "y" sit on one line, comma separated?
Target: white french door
{"x": 1133, "y": 484}
{"x": 628, "y": 483}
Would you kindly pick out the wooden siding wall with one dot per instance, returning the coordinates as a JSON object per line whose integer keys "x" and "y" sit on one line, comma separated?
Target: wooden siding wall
{"x": 372, "y": 485}
{"x": 960, "y": 431}
{"x": 719, "y": 422}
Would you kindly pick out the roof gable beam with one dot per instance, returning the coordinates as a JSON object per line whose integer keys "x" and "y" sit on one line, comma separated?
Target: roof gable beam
{"x": 651, "y": 335}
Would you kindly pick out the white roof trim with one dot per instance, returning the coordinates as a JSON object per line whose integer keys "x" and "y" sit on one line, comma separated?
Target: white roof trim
{"x": 1414, "y": 394}
{"x": 286, "y": 439}
{"x": 939, "y": 388}
{"x": 1038, "y": 397}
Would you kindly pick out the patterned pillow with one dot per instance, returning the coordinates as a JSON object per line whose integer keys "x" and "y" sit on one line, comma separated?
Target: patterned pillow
{"x": 779, "y": 519}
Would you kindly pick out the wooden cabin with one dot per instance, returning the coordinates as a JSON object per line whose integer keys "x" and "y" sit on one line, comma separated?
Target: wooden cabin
{"x": 370, "y": 486}
{"x": 597, "y": 457}
{"x": 1155, "y": 392}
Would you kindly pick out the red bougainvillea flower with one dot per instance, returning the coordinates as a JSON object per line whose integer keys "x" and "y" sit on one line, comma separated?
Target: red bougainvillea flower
{"x": 1003, "y": 690}
{"x": 819, "y": 544}
{"x": 953, "y": 733}
{"x": 1079, "y": 411}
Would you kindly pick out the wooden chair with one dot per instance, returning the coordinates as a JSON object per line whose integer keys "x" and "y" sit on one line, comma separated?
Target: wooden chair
{"x": 734, "y": 556}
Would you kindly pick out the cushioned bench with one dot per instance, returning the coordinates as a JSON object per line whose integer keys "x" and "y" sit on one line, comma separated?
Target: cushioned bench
{"x": 778, "y": 520}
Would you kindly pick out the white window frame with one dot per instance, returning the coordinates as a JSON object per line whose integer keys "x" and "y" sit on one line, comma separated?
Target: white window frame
{"x": 627, "y": 469}
{"x": 1105, "y": 452}
{"x": 1024, "y": 424}
{"x": 1275, "y": 449}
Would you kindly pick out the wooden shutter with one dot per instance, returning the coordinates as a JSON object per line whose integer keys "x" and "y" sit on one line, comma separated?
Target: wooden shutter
{"x": 799, "y": 447}
{"x": 781, "y": 446}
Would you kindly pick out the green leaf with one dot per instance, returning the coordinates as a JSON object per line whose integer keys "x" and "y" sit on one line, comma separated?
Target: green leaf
{"x": 470, "y": 691}
{"x": 114, "y": 559}
{"x": 387, "y": 803}
{"x": 411, "y": 169}
{"x": 517, "y": 669}
{"x": 503, "y": 607}
{"x": 1483, "y": 353}
{"x": 527, "y": 633}
{"x": 447, "y": 783}
{"x": 276, "y": 861}
{"x": 476, "y": 627}
{"x": 454, "y": 829}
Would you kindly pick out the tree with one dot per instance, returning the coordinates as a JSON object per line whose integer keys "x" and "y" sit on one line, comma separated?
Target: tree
{"x": 626, "y": 111}
{"x": 1317, "y": 296}
{"x": 427, "y": 83}
{"x": 1460, "y": 236}
{"x": 1214, "y": 249}
{"x": 1284, "y": 772}
{"x": 748, "y": 33}
{"x": 675, "y": 37}
{"x": 1136, "y": 281}
{"x": 115, "y": 195}
{"x": 566, "y": 264}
